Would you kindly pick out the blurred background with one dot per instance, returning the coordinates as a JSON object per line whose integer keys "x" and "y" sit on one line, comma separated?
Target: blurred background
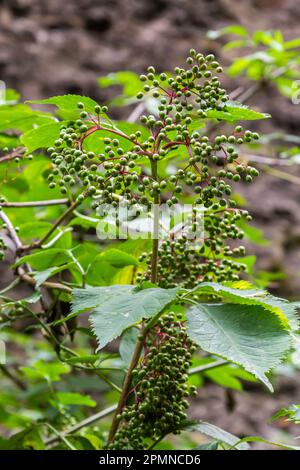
{"x": 55, "y": 47}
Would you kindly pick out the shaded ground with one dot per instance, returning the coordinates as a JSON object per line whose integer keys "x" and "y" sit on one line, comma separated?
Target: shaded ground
{"x": 53, "y": 47}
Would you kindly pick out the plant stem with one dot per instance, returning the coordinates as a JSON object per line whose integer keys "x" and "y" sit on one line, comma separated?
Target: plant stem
{"x": 18, "y": 152}
{"x": 11, "y": 230}
{"x": 209, "y": 366}
{"x": 39, "y": 243}
{"x": 125, "y": 389}
{"x": 21, "y": 385}
{"x": 155, "y": 232}
{"x": 51, "y": 202}
{"x": 21, "y": 272}
{"x": 140, "y": 343}
{"x": 50, "y": 285}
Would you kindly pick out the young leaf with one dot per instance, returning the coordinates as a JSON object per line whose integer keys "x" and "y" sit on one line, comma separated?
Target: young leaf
{"x": 119, "y": 306}
{"x": 243, "y": 334}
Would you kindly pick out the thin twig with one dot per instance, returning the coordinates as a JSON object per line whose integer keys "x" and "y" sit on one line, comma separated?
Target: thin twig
{"x": 21, "y": 272}
{"x": 50, "y": 285}
{"x": 18, "y": 152}
{"x": 51, "y": 202}
{"x": 282, "y": 174}
{"x": 18, "y": 382}
{"x": 11, "y": 230}
{"x": 267, "y": 160}
{"x": 39, "y": 243}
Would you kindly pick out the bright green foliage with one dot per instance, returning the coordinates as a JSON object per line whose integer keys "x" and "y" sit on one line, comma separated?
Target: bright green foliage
{"x": 272, "y": 58}
{"x": 292, "y": 413}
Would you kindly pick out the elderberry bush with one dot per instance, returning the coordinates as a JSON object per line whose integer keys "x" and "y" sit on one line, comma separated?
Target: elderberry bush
{"x": 167, "y": 296}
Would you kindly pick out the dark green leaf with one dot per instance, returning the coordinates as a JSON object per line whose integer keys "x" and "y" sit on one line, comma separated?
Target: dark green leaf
{"x": 246, "y": 335}
{"x": 120, "y": 306}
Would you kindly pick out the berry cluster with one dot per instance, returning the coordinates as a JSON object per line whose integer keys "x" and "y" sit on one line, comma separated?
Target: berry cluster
{"x": 204, "y": 171}
{"x": 157, "y": 402}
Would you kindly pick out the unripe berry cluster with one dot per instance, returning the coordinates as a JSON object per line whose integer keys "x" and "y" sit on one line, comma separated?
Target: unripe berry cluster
{"x": 157, "y": 403}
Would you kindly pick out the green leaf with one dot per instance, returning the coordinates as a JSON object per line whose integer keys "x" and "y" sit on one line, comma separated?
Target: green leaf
{"x": 21, "y": 117}
{"x": 66, "y": 398}
{"x": 41, "y": 137}
{"x": 128, "y": 80}
{"x": 84, "y": 443}
{"x": 42, "y": 276}
{"x": 27, "y": 439}
{"x": 282, "y": 445}
{"x": 292, "y": 413}
{"x": 235, "y": 44}
{"x": 34, "y": 229}
{"x": 117, "y": 258}
{"x": 69, "y": 102}
{"x": 127, "y": 344}
{"x": 119, "y": 306}
{"x": 254, "y": 234}
{"x": 9, "y": 96}
{"x": 219, "y": 434}
{"x": 213, "y": 445}
{"x": 243, "y": 334}
{"x": 234, "y": 111}
{"x": 50, "y": 371}
{"x": 235, "y": 29}
{"x": 43, "y": 259}
{"x": 229, "y": 376}
{"x": 236, "y": 293}
{"x": 100, "y": 273}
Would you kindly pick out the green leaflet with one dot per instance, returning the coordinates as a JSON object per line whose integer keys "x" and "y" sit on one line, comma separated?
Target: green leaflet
{"x": 243, "y": 334}
{"x": 117, "y": 307}
{"x": 285, "y": 310}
